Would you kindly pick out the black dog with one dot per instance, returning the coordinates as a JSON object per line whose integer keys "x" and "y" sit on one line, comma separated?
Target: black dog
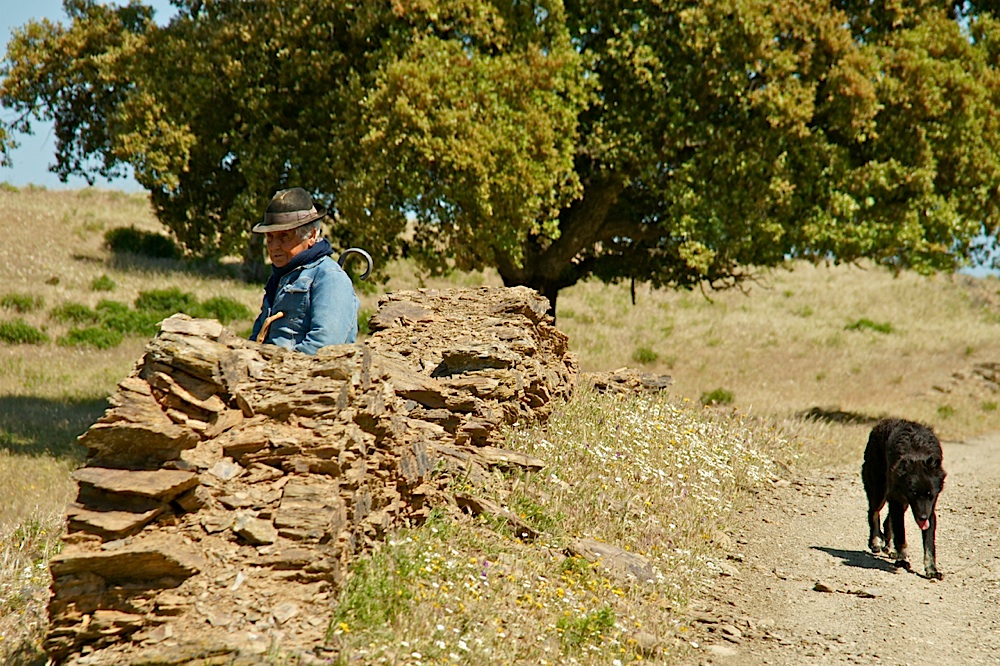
{"x": 903, "y": 467}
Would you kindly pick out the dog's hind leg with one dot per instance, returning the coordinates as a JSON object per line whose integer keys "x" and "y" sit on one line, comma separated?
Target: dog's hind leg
{"x": 896, "y": 530}
{"x": 930, "y": 560}
{"x": 876, "y": 541}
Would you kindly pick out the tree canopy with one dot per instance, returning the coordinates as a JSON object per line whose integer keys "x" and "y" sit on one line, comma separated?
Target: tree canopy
{"x": 666, "y": 142}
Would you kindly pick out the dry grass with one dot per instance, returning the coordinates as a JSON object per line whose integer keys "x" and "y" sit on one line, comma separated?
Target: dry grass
{"x": 811, "y": 340}
{"x": 649, "y": 474}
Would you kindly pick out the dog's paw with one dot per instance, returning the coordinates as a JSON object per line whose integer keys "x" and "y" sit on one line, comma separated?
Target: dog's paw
{"x": 877, "y": 546}
{"x": 934, "y": 574}
{"x": 902, "y": 564}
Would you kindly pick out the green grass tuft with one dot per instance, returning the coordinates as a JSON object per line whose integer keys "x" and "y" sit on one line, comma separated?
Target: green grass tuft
{"x": 644, "y": 356}
{"x": 92, "y": 336}
{"x": 20, "y": 332}
{"x": 75, "y": 313}
{"x": 167, "y": 301}
{"x": 719, "y": 396}
{"x": 864, "y": 324}
{"x": 102, "y": 283}
{"x": 222, "y": 308}
{"x": 22, "y": 303}
{"x": 576, "y": 630}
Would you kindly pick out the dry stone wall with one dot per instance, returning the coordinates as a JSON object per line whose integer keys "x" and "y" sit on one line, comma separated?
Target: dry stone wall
{"x": 229, "y": 484}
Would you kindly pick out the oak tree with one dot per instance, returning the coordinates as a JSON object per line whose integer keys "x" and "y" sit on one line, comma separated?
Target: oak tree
{"x": 666, "y": 142}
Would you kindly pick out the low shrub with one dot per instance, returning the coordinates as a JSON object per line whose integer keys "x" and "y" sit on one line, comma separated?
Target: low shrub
{"x": 20, "y": 332}
{"x": 103, "y": 283}
{"x": 21, "y": 302}
{"x": 168, "y": 301}
{"x": 223, "y": 308}
{"x": 119, "y": 317}
{"x": 98, "y": 337}
{"x": 867, "y": 324}
{"x": 75, "y": 313}
{"x": 644, "y": 356}
{"x": 719, "y": 396}
{"x": 136, "y": 241}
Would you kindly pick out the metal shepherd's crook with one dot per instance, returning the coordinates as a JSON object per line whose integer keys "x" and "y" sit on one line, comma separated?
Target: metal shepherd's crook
{"x": 346, "y": 254}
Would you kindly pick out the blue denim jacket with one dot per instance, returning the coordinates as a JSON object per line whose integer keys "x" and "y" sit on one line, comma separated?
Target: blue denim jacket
{"x": 320, "y": 308}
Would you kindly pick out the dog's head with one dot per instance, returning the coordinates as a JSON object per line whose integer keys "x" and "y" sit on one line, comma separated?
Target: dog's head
{"x": 921, "y": 480}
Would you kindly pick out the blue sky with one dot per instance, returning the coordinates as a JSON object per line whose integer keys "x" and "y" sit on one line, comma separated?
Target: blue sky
{"x": 37, "y": 151}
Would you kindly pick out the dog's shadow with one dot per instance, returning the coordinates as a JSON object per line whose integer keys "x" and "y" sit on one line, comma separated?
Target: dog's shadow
{"x": 861, "y": 559}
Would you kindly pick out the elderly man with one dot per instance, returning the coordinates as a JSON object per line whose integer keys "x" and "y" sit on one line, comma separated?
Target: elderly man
{"x": 309, "y": 301}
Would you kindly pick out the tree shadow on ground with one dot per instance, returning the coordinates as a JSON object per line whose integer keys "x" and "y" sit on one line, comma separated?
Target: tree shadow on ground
{"x": 41, "y": 426}
{"x": 861, "y": 559}
{"x": 838, "y": 416}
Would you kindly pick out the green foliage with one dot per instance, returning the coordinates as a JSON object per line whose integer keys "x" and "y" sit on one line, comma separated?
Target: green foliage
{"x": 865, "y": 324}
{"x": 119, "y": 317}
{"x": 102, "y": 283}
{"x": 575, "y": 630}
{"x": 21, "y": 302}
{"x": 988, "y": 406}
{"x": 364, "y": 314}
{"x": 170, "y": 300}
{"x": 223, "y": 308}
{"x": 20, "y": 332}
{"x": 719, "y": 396}
{"x": 76, "y": 313}
{"x": 945, "y": 411}
{"x": 676, "y": 144}
{"x": 137, "y": 241}
{"x": 92, "y": 336}
{"x": 378, "y": 590}
{"x": 644, "y": 355}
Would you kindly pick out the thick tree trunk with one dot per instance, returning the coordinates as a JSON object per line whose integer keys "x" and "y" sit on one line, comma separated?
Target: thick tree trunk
{"x": 548, "y": 268}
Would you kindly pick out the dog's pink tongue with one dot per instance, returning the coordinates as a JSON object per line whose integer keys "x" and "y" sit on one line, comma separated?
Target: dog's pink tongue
{"x": 923, "y": 524}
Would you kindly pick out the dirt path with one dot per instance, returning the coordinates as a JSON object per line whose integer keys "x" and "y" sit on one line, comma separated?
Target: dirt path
{"x": 803, "y": 589}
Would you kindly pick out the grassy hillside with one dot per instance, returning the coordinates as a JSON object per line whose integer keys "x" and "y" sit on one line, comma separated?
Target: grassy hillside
{"x": 794, "y": 370}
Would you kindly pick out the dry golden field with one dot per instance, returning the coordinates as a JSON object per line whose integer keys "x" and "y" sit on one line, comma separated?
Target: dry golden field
{"x": 798, "y": 365}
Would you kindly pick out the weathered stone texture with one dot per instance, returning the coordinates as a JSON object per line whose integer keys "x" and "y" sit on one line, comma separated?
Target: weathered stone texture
{"x": 229, "y": 484}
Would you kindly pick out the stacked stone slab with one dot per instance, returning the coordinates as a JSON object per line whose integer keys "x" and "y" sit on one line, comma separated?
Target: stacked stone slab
{"x": 229, "y": 484}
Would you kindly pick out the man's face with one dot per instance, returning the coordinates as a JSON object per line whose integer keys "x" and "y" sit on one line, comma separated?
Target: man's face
{"x": 283, "y": 245}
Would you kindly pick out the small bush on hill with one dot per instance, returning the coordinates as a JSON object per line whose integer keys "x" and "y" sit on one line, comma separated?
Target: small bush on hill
{"x": 136, "y": 241}
{"x": 76, "y": 313}
{"x": 719, "y": 396}
{"x": 21, "y": 302}
{"x": 867, "y": 324}
{"x": 103, "y": 283}
{"x": 222, "y": 308}
{"x": 119, "y": 317}
{"x": 20, "y": 332}
{"x": 92, "y": 336}
{"x": 168, "y": 301}
{"x": 644, "y": 355}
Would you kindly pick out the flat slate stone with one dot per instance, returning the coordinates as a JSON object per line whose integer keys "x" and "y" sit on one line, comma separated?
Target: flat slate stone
{"x": 164, "y": 484}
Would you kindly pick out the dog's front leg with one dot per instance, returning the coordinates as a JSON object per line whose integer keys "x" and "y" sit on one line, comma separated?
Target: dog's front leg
{"x": 930, "y": 560}
{"x": 896, "y": 511}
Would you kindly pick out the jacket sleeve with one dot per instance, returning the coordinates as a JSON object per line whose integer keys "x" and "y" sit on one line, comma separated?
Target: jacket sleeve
{"x": 333, "y": 310}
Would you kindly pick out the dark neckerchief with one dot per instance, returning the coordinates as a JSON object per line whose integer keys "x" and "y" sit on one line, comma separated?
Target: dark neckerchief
{"x": 318, "y": 251}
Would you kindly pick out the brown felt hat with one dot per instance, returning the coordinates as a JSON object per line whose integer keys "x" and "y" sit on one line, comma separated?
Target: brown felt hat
{"x": 289, "y": 209}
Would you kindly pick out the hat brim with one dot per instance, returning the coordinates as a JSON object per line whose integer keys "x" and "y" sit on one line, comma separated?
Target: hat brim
{"x": 271, "y": 224}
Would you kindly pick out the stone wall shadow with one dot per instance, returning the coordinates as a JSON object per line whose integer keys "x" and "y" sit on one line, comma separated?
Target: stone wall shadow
{"x": 42, "y": 426}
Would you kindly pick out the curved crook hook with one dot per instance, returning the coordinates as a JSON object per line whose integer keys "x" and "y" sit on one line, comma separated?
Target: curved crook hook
{"x": 346, "y": 254}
